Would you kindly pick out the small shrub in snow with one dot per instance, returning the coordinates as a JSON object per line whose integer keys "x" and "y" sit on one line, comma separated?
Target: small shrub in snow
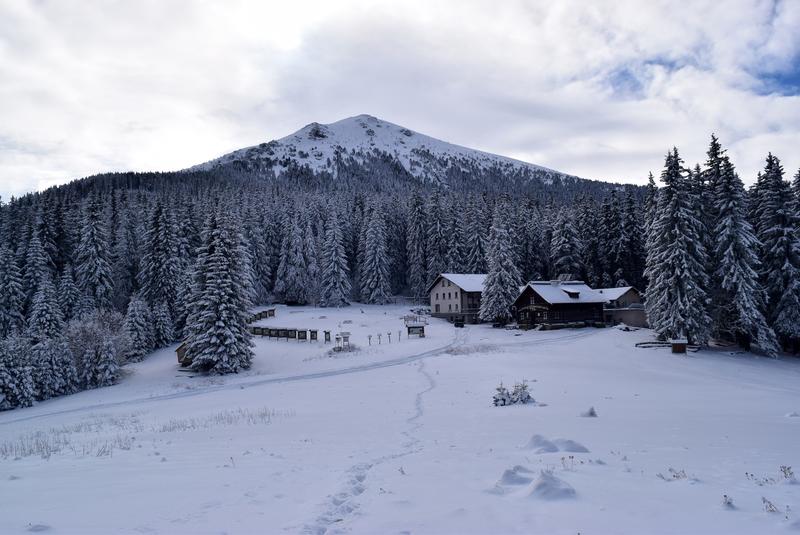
{"x": 788, "y": 474}
{"x": 520, "y": 394}
{"x": 501, "y": 396}
{"x": 591, "y": 413}
{"x": 727, "y": 502}
{"x": 769, "y": 507}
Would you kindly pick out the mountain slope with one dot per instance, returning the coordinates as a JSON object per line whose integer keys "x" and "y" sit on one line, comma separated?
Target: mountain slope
{"x": 327, "y": 148}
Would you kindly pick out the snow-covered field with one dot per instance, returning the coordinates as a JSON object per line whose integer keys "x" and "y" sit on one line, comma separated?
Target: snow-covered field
{"x": 402, "y": 438}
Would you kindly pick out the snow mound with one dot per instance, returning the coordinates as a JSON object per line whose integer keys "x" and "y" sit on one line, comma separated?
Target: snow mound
{"x": 793, "y": 414}
{"x": 549, "y": 487}
{"x": 519, "y": 475}
{"x": 570, "y": 446}
{"x": 541, "y": 445}
{"x": 591, "y": 413}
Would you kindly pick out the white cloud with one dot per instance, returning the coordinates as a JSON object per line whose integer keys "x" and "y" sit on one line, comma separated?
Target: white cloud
{"x": 596, "y": 89}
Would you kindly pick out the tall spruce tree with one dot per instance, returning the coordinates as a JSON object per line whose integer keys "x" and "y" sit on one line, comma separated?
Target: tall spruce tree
{"x": 218, "y": 340}
{"x": 375, "y": 271}
{"x": 676, "y": 261}
{"x": 160, "y": 268}
{"x": 138, "y": 326}
{"x": 291, "y": 280}
{"x": 777, "y": 224}
{"x": 335, "y": 289}
{"x": 45, "y": 319}
{"x": 12, "y": 296}
{"x": 565, "y": 247}
{"x": 92, "y": 264}
{"x": 738, "y": 296}
{"x": 501, "y": 286}
{"x": 415, "y": 244}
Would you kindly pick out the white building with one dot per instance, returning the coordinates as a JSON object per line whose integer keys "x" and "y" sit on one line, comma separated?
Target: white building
{"x": 457, "y": 296}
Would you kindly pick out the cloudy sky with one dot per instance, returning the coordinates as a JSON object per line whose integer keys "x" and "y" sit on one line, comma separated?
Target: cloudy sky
{"x": 597, "y": 89}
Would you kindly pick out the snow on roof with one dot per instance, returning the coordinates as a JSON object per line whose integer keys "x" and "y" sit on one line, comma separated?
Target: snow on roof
{"x": 613, "y": 294}
{"x": 558, "y": 292}
{"x": 468, "y": 282}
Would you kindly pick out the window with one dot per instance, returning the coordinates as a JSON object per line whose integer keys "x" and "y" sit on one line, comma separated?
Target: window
{"x": 456, "y": 307}
{"x": 437, "y": 296}
{"x": 449, "y": 308}
{"x": 456, "y": 294}
{"x": 448, "y": 295}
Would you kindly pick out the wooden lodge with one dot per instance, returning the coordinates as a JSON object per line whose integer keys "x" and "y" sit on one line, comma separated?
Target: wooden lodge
{"x": 558, "y": 302}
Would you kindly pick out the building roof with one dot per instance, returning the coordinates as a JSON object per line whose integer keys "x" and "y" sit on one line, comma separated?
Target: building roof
{"x": 468, "y": 282}
{"x": 561, "y": 292}
{"x": 612, "y": 294}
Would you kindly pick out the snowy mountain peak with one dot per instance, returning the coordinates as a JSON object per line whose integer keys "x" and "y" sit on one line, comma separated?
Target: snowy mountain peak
{"x": 322, "y": 147}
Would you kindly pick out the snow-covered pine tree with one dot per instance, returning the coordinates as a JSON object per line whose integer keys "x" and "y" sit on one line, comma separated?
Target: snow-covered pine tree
{"x": 53, "y": 368}
{"x": 37, "y": 265}
{"x": 630, "y": 248}
{"x": 676, "y": 262}
{"x": 125, "y": 269}
{"x": 455, "y": 260}
{"x": 531, "y": 235}
{"x": 290, "y": 282}
{"x": 68, "y": 293}
{"x": 311, "y": 256}
{"x": 501, "y": 286}
{"x": 138, "y": 326}
{"x": 738, "y": 296}
{"x": 218, "y": 340}
{"x": 415, "y": 244}
{"x": 436, "y": 242}
{"x": 609, "y": 234}
{"x": 45, "y": 319}
{"x": 335, "y": 289}
{"x": 93, "y": 270}
{"x": 160, "y": 266}
{"x": 475, "y": 240}
{"x": 565, "y": 247}
{"x": 163, "y": 326}
{"x": 106, "y": 369}
{"x": 12, "y": 296}
{"x": 777, "y": 223}
{"x": 260, "y": 255}
{"x": 17, "y": 387}
{"x": 375, "y": 271}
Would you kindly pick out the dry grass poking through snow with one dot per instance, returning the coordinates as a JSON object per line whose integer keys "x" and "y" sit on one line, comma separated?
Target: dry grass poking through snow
{"x": 101, "y": 435}
{"x": 260, "y": 416}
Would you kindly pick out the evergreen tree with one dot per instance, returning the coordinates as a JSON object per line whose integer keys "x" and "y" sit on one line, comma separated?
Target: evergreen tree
{"x": 335, "y": 278}
{"x": 17, "y": 387}
{"x": 290, "y": 283}
{"x": 45, "y": 320}
{"x": 738, "y": 297}
{"x": 53, "y": 368}
{"x": 630, "y": 248}
{"x": 415, "y": 243}
{"x": 676, "y": 262}
{"x": 106, "y": 369}
{"x": 777, "y": 223}
{"x": 564, "y": 247}
{"x": 502, "y": 282}
{"x": 475, "y": 241}
{"x": 138, "y": 326}
{"x": 160, "y": 265}
{"x": 312, "y": 275}
{"x": 375, "y": 272}
{"x": 218, "y": 340}
{"x": 68, "y": 293}
{"x": 436, "y": 243}
{"x": 163, "y": 327}
{"x": 93, "y": 268}
{"x": 12, "y": 296}
{"x": 37, "y": 266}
